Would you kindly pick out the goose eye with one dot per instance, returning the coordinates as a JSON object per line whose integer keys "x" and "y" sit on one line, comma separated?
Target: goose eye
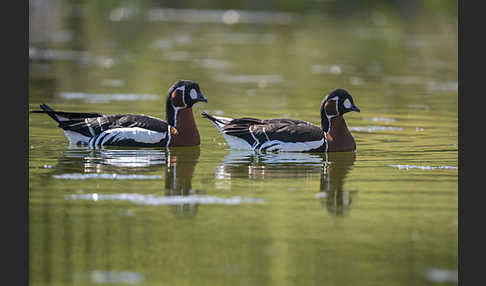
{"x": 193, "y": 93}
{"x": 347, "y": 103}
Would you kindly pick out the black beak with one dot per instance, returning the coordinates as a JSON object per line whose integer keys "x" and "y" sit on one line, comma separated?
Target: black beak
{"x": 355, "y": 108}
{"x": 200, "y": 97}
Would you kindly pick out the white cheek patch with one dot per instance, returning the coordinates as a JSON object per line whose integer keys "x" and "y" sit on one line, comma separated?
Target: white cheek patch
{"x": 193, "y": 93}
{"x": 347, "y": 103}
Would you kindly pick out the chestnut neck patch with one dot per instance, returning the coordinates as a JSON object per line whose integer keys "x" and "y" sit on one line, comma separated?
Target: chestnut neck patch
{"x": 177, "y": 98}
{"x": 330, "y": 108}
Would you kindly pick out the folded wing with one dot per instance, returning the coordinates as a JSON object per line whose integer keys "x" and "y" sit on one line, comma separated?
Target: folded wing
{"x": 277, "y": 134}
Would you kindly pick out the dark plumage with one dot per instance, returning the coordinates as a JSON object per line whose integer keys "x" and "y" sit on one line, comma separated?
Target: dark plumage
{"x": 285, "y": 134}
{"x": 96, "y": 129}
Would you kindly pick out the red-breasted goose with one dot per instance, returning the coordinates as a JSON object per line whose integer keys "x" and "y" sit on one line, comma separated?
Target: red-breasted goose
{"x": 292, "y": 135}
{"x": 137, "y": 130}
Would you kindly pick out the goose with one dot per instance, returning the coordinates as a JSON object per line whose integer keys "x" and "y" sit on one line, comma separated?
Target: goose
{"x": 291, "y": 135}
{"x": 135, "y": 130}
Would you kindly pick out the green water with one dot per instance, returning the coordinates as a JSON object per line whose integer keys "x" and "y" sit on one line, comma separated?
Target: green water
{"x": 383, "y": 215}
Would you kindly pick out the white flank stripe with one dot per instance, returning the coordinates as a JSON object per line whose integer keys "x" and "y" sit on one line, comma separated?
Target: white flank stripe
{"x": 238, "y": 143}
{"x": 292, "y": 146}
{"x": 96, "y": 143}
{"x": 138, "y": 134}
{"x": 91, "y": 141}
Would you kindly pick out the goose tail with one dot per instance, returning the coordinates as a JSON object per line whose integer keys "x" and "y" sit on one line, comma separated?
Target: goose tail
{"x": 60, "y": 116}
{"x": 218, "y": 121}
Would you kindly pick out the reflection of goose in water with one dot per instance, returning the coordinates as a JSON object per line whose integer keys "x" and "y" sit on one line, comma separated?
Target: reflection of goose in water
{"x": 180, "y": 169}
{"x": 181, "y": 163}
{"x": 249, "y": 164}
{"x": 332, "y": 168}
{"x": 83, "y": 160}
{"x": 333, "y": 197}
{"x": 177, "y": 164}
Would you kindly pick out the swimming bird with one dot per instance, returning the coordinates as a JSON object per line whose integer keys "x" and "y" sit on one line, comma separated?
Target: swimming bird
{"x": 136, "y": 130}
{"x": 291, "y": 135}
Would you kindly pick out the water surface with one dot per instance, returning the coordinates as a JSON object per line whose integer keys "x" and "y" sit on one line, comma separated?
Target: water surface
{"x": 208, "y": 215}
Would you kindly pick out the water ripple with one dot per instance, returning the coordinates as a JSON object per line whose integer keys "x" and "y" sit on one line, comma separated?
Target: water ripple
{"x": 79, "y": 176}
{"x": 371, "y": 128}
{"x": 408, "y": 167}
{"x": 441, "y": 275}
{"x": 101, "y": 97}
{"x": 110, "y": 277}
{"x": 155, "y": 200}
{"x": 382, "y": 119}
{"x": 260, "y": 79}
{"x": 219, "y": 16}
{"x": 83, "y": 57}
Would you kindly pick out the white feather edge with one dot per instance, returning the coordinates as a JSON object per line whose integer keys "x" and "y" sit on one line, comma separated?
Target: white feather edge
{"x": 137, "y": 134}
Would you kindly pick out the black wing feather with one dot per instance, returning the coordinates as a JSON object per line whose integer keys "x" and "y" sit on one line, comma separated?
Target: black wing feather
{"x": 93, "y": 123}
{"x": 100, "y": 124}
{"x": 282, "y": 129}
